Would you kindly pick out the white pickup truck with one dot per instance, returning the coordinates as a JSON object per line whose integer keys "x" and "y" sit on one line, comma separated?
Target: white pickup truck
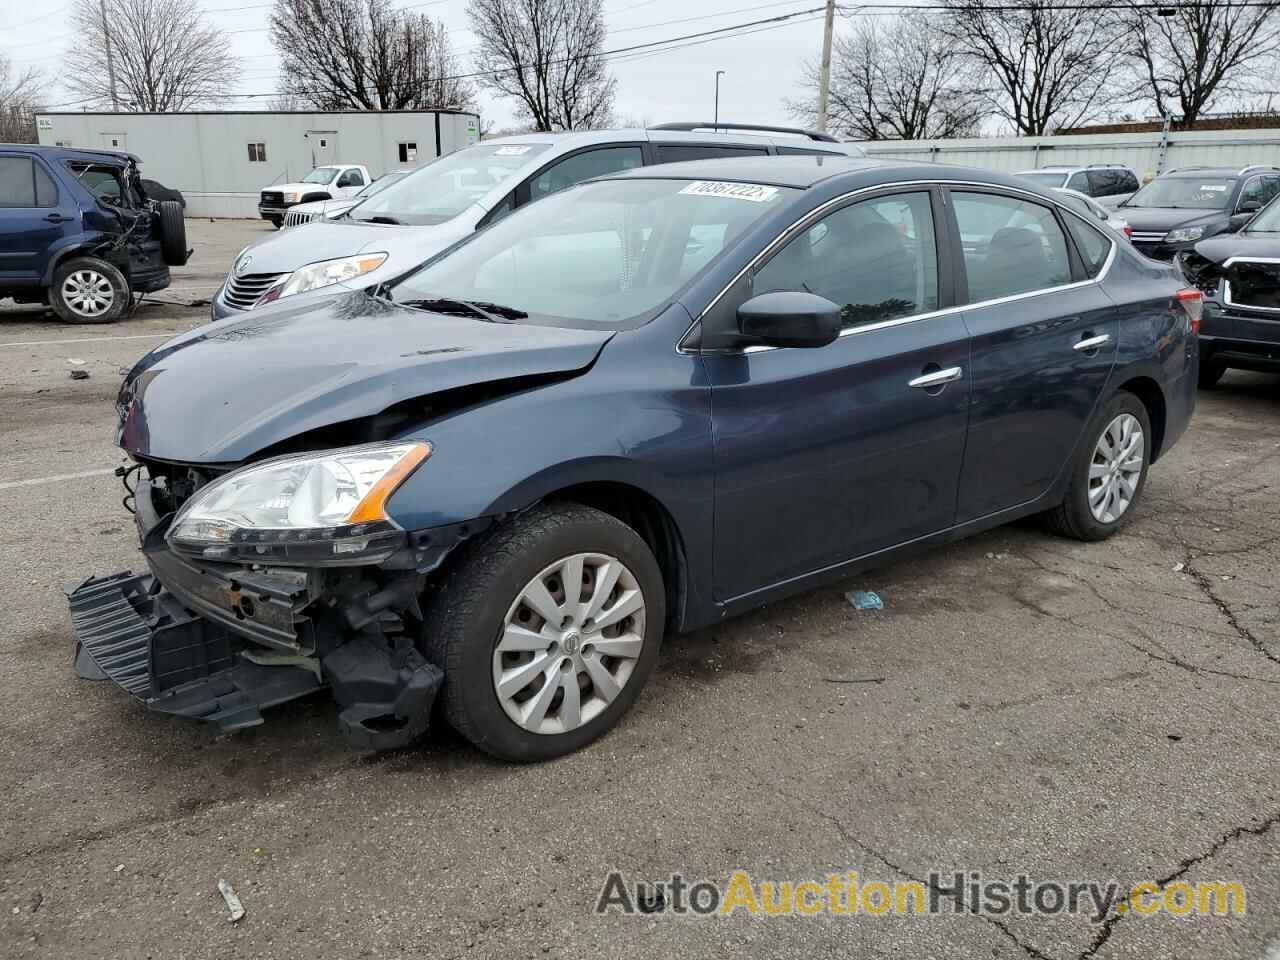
{"x": 330, "y": 182}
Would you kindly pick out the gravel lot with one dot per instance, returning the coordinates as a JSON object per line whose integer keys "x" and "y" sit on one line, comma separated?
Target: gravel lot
{"x": 1032, "y": 705}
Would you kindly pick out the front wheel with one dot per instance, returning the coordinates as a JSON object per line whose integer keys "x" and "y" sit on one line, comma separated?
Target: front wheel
{"x": 546, "y": 630}
{"x": 1109, "y": 473}
{"x": 1211, "y": 371}
{"x": 89, "y": 290}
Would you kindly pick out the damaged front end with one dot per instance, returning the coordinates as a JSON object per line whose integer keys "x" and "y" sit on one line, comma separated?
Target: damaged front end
{"x": 234, "y": 618}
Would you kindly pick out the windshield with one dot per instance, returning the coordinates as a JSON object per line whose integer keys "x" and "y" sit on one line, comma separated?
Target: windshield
{"x": 1194, "y": 193}
{"x": 604, "y": 255}
{"x": 384, "y": 181}
{"x": 1045, "y": 179}
{"x": 321, "y": 175}
{"x": 444, "y": 188}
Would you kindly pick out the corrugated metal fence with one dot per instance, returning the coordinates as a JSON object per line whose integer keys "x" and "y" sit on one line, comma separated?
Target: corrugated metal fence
{"x": 1141, "y": 151}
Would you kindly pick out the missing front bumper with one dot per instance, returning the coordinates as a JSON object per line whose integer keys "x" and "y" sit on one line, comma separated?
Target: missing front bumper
{"x": 131, "y": 630}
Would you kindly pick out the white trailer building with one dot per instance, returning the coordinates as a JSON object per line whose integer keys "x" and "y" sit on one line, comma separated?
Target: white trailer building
{"x": 220, "y": 160}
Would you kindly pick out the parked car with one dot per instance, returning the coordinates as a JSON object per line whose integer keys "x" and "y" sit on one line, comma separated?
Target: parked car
{"x": 646, "y": 403}
{"x": 332, "y": 181}
{"x": 328, "y": 209}
{"x": 1173, "y": 213}
{"x": 452, "y": 197}
{"x": 1088, "y": 207}
{"x": 1111, "y": 182}
{"x": 1239, "y": 274}
{"x": 79, "y": 232}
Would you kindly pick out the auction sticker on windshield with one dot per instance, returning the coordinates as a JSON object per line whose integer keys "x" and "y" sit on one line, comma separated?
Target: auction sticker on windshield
{"x": 511, "y": 151}
{"x": 736, "y": 191}
{"x": 1214, "y": 187}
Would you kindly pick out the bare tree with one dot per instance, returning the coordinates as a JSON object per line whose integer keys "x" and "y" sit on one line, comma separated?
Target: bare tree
{"x": 896, "y": 80}
{"x": 166, "y": 57}
{"x": 1197, "y": 54}
{"x": 547, "y": 56}
{"x": 365, "y": 54}
{"x": 1039, "y": 65}
{"x": 17, "y": 103}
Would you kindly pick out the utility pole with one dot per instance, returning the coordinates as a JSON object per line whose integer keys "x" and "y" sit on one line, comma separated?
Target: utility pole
{"x": 716, "y": 122}
{"x": 824, "y": 76}
{"x": 111, "y": 63}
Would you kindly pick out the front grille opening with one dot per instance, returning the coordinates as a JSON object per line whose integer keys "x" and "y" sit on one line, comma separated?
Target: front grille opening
{"x": 241, "y": 293}
{"x": 1256, "y": 285}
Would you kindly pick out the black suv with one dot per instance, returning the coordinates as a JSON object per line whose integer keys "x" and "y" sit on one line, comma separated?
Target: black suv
{"x": 1173, "y": 213}
{"x": 79, "y": 231}
{"x": 1239, "y": 274}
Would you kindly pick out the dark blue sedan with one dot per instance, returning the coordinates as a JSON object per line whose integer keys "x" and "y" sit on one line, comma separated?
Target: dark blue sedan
{"x": 642, "y": 405}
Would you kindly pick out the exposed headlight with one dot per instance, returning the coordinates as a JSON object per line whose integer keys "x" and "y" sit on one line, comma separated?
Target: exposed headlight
{"x": 291, "y": 198}
{"x": 324, "y": 274}
{"x": 1184, "y": 235}
{"x": 321, "y": 508}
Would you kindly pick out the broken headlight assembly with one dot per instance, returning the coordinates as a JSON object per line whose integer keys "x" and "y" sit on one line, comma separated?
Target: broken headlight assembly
{"x": 319, "y": 509}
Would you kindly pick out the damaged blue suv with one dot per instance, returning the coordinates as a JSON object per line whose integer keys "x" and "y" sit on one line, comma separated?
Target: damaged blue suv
{"x": 644, "y": 404}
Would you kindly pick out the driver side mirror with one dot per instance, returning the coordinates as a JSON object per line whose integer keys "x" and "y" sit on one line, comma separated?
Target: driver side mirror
{"x": 789, "y": 319}
{"x": 1249, "y": 206}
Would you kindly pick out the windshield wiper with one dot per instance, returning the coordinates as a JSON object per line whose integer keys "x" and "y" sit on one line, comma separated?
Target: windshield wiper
{"x": 493, "y": 312}
{"x": 380, "y": 219}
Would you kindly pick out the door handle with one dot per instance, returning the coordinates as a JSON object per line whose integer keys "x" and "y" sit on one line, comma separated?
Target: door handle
{"x": 57, "y": 218}
{"x": 938, "y": 378}
{"x": 1093, "y": 343}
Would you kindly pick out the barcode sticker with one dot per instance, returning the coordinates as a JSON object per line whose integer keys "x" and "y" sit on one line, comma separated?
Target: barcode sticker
{"x": 511, "y": 151}
{"x": 753, "y": 192}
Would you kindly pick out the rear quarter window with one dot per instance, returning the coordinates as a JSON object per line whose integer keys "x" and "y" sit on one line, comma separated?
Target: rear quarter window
{"x": 1092, "y": 246}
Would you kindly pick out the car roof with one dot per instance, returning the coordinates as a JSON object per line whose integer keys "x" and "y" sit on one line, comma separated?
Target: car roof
{"x": 803, "y": 171}
{"x": 571, "y": 140}
{"x": 81, "y": 153}
{"x": 1068, "y": 168}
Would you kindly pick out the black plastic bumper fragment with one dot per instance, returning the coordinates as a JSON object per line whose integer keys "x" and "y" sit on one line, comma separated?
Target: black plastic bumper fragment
{"x": 130, "y": 630}
{"x": 385, "y": 694}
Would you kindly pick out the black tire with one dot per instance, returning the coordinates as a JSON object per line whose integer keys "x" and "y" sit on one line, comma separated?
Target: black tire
{"x": 1072, "y": 517}
{"x": 467, "y": 612}
{"x": 69, "y": 311}
{"x": 1211, "y": 372}
{"x": 172, "y": 231}
{"x": 277, "y": 222}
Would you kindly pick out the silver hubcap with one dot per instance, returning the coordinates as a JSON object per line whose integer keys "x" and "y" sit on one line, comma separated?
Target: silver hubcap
{"x": 1116, "y": 468}
{"x": 569, "y": 643}
{"x": 88, "y": 293}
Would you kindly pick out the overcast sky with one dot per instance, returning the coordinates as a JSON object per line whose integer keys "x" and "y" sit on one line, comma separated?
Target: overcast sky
{"x": 761, "y": 70}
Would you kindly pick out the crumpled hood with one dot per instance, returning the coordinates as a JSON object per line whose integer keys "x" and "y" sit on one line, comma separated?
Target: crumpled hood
{"x": 225, "y": 391}
{"x": 1161, "y": 219}
{"x": 1225, "y": 246}
{"x": 318, "y": 240}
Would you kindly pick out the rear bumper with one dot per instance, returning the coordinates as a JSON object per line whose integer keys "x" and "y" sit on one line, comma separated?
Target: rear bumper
{"x": 147, "y": 270}
{"x": 1258, "y": 355}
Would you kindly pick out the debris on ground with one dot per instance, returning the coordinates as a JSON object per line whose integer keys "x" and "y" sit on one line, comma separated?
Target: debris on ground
{"x": 855, "y": 679}
{"x": 79, "y": 374}
{"x": 75, "y": 361}
{"x": 1179, "y": 567}
{"x": 119, "y": 867}
{"x": 864, "y": 600}
{"x": 233, "y": 902}
{"x": 997, "y": 556}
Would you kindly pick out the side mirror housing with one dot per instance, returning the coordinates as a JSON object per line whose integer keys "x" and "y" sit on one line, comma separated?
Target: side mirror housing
{"x": 789, "y": 319}
{"x": 1249, "y": 206}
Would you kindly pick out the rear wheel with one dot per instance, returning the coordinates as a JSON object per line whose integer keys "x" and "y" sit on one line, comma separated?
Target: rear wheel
{"x": 1211, "y": 372}
{"x": 1109, "y": 473}
{"x": 89, "y": 290}
{"x": 546, "y": 631}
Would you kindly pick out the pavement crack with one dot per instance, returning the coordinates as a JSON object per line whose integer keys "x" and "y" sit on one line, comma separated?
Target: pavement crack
{"x": 1206, "y": 586}
{"x": 1252, "y": 829}
{"x": 1029, "y": 949}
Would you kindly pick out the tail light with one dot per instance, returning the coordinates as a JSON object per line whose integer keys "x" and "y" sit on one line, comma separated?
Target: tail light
{"x": 1192, "y": 301}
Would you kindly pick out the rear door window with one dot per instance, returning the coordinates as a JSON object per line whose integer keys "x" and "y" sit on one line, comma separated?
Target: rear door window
{"x": 877, "y": 260}
{"x": 1010, "y": 246}
{"x": 24, "y": 183}
{"x": 583, "y": 166}
{"x": 1079, "y": 181}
